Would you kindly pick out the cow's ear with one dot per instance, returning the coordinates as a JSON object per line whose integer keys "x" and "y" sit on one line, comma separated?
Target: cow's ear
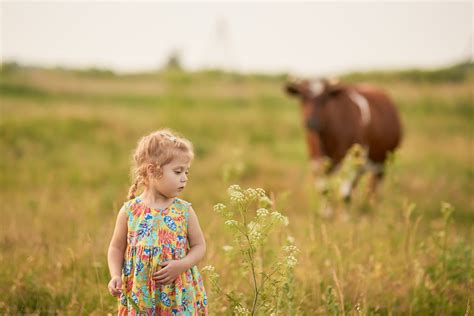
{"x": 292, "y": 88}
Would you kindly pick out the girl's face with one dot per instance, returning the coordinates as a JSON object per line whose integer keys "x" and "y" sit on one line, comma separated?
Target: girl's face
{"x": 173, "y": 178}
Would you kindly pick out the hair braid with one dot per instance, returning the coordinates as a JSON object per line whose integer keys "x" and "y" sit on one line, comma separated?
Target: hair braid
{"x": 134, "y": 187}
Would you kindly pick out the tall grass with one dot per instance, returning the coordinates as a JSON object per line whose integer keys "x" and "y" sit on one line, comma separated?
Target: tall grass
{"x": 66, "y": 140}
{"x": 268, "y": 266}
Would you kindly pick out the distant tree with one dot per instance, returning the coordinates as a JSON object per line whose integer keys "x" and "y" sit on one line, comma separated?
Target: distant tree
{"x": 9, "y": 66}
{"x": 174, "y": 61}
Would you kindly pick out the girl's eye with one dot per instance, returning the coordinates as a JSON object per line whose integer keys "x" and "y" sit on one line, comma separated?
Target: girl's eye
{"x": 179, "y": 172}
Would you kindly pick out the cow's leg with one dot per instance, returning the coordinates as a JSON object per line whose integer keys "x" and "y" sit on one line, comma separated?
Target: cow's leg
{"x": 320, "y": 171}
{"x": 377, "y": 174}
{"x": 349, "y": 184}
{"x": 345, "y": 193}
{"x": 323, "y": 172}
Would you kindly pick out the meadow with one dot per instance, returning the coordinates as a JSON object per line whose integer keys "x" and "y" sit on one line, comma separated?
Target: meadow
{"x": 66, "y": 138}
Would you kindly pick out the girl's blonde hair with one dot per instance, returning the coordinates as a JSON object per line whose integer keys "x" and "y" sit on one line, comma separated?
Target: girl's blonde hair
{"x": 158, "y": 148}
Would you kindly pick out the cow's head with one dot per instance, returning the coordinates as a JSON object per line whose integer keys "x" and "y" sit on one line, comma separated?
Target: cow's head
{"x": 314, "y": 94}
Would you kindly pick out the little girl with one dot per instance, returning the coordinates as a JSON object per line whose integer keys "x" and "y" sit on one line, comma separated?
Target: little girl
{"x": 157, "y": 240}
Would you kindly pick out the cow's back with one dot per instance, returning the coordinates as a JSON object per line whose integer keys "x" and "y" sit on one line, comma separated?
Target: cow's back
{"x": 383, "y": 133}
{"x": 342, "y": 127}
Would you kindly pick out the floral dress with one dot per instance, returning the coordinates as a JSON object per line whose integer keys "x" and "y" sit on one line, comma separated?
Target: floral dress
{"x": 155, "y": 236}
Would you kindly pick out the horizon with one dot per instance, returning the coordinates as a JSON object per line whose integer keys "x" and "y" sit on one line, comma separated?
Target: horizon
{"x": 239, "y": 37}
{"x": 231, "y": 71}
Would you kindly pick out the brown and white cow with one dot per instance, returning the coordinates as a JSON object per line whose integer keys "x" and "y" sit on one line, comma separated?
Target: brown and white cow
{"x": 337, "y": 116}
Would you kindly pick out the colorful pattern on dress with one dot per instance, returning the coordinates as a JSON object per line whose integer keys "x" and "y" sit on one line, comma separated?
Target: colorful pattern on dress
{"x": 156, "y": 236}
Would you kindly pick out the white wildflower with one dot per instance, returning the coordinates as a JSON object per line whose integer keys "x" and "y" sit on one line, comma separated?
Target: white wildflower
{"x": 240, "y": 310}
{"x": 234, "y": 188}
{"x": 237, "y": 197}
{"x": 255, "y": 237}
{"x": 231, "y": 222}
{"x": 254, "y": 231}
{"x": 251, "y": 194}
{"x": 253, "y": 226}
{"x": 208, "y": 269}
{"x": 278, "y": 217}
{"x": 291, "y": 261}
{"x": 290, "y": 248}
{"x": 219, "y": 207}
{"x": 227, "y": 248}
{"x": 262, "y": 212}
{"x": 260, "y": 192}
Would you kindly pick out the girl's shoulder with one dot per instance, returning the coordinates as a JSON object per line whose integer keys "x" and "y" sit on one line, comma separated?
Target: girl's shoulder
{"x": 128, "y": 205}
{"x": 180, "y": 203}
{"x": 183, "y": 207}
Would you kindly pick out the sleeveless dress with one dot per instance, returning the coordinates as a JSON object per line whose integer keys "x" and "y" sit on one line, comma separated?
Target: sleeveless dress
{"x": 155, "y": 236}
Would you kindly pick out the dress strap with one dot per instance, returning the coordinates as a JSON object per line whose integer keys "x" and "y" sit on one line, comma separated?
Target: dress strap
{"x": 184, "y": 207}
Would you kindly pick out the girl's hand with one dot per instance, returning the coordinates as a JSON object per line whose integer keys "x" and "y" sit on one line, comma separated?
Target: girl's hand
{"x": 115, "y": 286}
{"x": 169, "y": 272}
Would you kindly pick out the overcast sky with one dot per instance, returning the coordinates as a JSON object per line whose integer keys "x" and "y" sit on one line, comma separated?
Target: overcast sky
{"x": 302, "y": 38}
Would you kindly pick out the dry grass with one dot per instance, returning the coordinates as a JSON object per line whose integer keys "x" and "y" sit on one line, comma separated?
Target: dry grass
{"x": 66, "y": 148}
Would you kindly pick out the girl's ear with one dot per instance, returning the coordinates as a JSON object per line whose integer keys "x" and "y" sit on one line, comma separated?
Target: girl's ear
{"x": 154, "y": 170}
{"x": 150, "y": 169}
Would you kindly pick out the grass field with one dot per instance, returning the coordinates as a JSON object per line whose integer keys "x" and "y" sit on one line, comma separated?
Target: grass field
{"x": 66, "y": 141}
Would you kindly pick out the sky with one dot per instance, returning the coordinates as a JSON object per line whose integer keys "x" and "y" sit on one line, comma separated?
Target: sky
{"x": 309, "y": 38}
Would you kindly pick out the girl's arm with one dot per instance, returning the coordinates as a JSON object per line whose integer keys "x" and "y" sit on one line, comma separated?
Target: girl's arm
{"x": 173, "y": 268}
{"x": 196, "y": 241}
{"x": 117, "y": 246}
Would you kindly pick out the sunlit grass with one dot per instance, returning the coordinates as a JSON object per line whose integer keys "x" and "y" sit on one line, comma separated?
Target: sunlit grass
{"x": 66, "y": 140}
